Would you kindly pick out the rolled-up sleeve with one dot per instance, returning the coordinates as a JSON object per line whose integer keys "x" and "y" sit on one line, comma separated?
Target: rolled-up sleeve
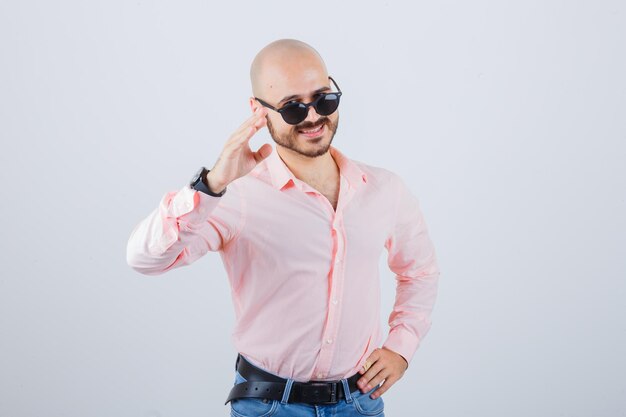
{"x": 411, "y": 256}
{"x": 185, "y": 226}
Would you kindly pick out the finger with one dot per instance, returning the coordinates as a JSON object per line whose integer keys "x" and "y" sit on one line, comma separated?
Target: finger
{"x": 240, "y": 139}
{"x": 366, "y": 366}
{"x": 248, "y": 122}
{"x": 242, "y": 133}
{"x": 259, "y": 124}
{"x": 263, "y": 152}
{"x": 380, "y": 377}
{"x": 373, "y": 357}
{"x": 236, "y": 143}
{"x": 364, "y": 381}
{"x": 368, "y": 370}
{"x": 374, "y": 369}
{"x": 243, "y": 137}
{"x": 384, "y": 387}
{"x": 259, "y": 113}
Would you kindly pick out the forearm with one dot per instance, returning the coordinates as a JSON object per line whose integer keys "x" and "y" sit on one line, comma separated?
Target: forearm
{"x": 410, "y": 319}
{"x": 176, "y": 233}
{"x": 412, "y": 258}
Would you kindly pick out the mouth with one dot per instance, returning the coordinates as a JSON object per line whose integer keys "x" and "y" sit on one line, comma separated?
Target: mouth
{"x": 313, "y": 132}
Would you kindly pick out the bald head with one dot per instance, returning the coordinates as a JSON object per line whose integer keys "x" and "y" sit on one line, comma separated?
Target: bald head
{"x": 283, "y": 61}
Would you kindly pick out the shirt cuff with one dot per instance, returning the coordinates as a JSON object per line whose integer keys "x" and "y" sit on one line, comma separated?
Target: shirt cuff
{"x": 194, "y": 205}
{"x": 403, "y": 342}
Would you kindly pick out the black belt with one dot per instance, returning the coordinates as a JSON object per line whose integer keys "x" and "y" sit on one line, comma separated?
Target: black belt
{"x": 261, "y": 384}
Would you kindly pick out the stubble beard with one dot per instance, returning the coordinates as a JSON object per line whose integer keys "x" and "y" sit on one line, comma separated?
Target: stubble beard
{"x": 290, "y": 141}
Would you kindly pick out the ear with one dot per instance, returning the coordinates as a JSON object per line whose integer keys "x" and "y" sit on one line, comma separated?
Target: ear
{"x": 254, "y": 104}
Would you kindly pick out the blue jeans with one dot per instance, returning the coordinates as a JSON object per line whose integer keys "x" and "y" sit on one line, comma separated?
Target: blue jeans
{"x": 355, "y": 404}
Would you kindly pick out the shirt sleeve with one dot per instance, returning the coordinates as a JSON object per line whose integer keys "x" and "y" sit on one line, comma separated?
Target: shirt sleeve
{"x": 411, "y": 256}
{"x": 184, "y": 227}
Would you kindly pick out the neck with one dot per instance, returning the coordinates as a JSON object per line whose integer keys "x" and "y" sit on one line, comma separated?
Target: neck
{"x": 317, "y": 170}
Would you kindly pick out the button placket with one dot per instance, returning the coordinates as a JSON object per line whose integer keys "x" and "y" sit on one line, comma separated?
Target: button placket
{"x": 331, "y": 328}
{"x": 332, "y": 325}
{"x": 340, "y": 247}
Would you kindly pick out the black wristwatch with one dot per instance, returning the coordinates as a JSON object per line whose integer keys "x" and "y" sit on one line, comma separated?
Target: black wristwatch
{"x": 198, "y": 184}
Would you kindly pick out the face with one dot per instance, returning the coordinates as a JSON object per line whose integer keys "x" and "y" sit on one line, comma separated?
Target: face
{"x": 313, "y": 136}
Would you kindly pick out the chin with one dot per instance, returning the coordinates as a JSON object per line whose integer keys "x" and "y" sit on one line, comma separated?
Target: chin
{"x": 299, "y": 143}
{"x": 317, "y": 146}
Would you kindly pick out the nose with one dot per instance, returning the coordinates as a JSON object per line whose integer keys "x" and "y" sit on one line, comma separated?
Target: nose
{"x": 311, "y": 115}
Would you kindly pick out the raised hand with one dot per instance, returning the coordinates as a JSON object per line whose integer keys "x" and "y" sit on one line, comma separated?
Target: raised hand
{"x": 237, "y": 159}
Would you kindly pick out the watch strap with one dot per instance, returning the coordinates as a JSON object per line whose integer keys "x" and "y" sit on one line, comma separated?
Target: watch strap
{"x": 199, "y": 184}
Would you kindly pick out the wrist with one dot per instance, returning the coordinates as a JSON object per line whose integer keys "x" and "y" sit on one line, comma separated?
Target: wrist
{"x": 213, "y": 183}
{"x": 199, "y": 183}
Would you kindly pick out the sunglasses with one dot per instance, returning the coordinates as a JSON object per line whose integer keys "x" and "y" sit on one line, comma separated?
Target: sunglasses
{"x": 294, "y": 112}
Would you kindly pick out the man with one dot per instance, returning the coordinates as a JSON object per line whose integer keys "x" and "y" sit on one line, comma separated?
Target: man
{"x": 300, "y": 231}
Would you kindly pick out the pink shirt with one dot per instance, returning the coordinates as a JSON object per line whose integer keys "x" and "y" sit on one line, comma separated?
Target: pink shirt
{"x": 304, "y": 277}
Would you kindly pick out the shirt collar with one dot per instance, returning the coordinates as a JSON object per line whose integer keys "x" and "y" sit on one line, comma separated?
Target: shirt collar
{"x": 281, "y": 175}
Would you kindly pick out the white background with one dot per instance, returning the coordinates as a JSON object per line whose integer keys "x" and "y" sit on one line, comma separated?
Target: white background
{"x": 507, "y": 120}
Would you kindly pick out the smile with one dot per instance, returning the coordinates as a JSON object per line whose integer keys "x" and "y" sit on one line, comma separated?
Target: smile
{"x": 312, "y": 133}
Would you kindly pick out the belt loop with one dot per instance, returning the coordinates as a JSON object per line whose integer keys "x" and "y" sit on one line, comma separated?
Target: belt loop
{"x": 285, "y": 398}
{"x": 346, "y": 390}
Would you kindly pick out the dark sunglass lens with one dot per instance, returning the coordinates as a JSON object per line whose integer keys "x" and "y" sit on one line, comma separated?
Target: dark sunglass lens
{"x": 328, "y": 104}
{"x": 294, "y": 114}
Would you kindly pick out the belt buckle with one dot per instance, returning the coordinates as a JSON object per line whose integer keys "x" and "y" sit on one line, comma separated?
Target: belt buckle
{"x": 323, "y": 386}
{"x": 333, "y": 393}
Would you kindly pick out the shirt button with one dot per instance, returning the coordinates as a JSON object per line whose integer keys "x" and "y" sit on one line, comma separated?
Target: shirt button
{"x": 320, "y": 375}
{"x": 329, "y": 341}
{"x": 335, "y": 302}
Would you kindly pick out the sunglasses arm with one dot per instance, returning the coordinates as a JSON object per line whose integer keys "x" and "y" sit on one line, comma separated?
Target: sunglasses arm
{"x": 266, "y": 104}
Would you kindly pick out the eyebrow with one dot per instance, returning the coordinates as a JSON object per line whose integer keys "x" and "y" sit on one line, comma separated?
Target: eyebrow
{"x": 289, "y": 98}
